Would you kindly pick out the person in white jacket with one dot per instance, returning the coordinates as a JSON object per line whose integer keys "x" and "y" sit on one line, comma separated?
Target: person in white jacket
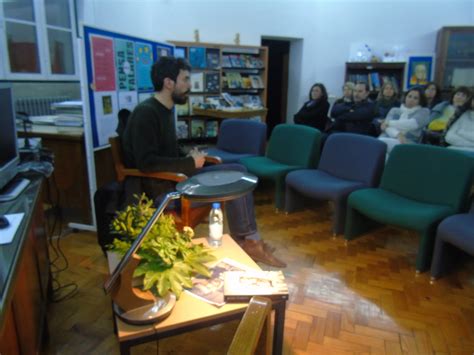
{"x": 460, "y": 134}
{"x": 404, "y": 124}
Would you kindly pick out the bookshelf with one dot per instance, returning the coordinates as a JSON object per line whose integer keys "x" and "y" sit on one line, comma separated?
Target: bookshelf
{"x": 239, "y": 71}
{"x": 375, "y": 74}
{"x": 455, "y": 58}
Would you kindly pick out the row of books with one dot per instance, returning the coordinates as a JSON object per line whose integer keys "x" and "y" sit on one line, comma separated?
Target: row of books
{"x": 205, "y": 82}
{"x": 241, "y": 61}
{"x": 234, "y": 80}
{"x": 231, "y": 281}
{"x": 374, "y": 79}
{"x": 225, "y": 100}
{"x": 200, "y": 128}
{"x": 204, "y": 58}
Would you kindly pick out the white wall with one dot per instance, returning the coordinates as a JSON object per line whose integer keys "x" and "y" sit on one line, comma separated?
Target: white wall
{"x": 327, "y": 27}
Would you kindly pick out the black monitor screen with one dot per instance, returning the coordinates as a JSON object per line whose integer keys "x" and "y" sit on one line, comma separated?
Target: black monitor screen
{"x": 8, "y": 143}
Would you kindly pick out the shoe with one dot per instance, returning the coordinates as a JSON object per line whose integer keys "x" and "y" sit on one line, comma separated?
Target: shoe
{"x": 257, "y": 251}
{"x": 266, "y": 246}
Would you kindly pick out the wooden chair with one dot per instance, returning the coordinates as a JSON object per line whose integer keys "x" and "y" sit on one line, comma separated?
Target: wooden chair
{"x": 254, "y": 334}
{"x": 188, "y": 216}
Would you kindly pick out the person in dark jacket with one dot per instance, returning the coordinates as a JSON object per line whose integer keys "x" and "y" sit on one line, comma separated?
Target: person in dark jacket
{"x": 386, "y": 100}
{"x": 314, "y": 112}
{"x": 354, "y": 117}
{"x": 149, "y": 144}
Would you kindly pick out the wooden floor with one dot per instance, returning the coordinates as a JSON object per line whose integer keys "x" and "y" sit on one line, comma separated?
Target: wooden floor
{"x": 363, "y": 298}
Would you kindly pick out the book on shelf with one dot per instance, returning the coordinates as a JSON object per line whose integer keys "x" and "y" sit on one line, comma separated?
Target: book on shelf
{"x": 234, "y": 80}
{"x": 246, "y": 82}
{"x": 198, "y": 128}
{"x": 211, "y": 290}
{"x": 212, "y": 82}
{"x": 226, "y": 61}
{"x": 197, "y": 57}
{"x": 181, "y": 129}
{"x": 212, "y": 56}
{"x": 211, "y": 128}
{"x": 195, "y": 101}
{"x": 235, "y": 61}
{"x": 229, "y": 99}
{"x": 241, "y": 286}
{"x": 197, "y": 82}
{"x": 180, "y": 52}
{"x": 375, "y": 80}
{"x": 257, "y": 82}
{"x": 183, "y": 110}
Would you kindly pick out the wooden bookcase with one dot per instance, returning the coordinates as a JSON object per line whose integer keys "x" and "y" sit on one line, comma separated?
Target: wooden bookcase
{"x": 375, "y": 74}
{"x": 455, "y": 58}
{"x": 217, "y": 69}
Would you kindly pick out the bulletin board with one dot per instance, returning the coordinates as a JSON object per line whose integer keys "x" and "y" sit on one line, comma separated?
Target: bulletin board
{"x": 118, "y": 70}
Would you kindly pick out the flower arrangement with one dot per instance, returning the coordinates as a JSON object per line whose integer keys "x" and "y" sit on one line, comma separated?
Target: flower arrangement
{"x": 168, "y": 258}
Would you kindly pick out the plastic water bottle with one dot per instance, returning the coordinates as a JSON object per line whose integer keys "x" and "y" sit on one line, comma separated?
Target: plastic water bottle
{"x": 216, "y": 225}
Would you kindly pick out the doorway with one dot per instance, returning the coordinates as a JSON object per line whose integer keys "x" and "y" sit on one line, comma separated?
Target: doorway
{"x": 277, "y": 83}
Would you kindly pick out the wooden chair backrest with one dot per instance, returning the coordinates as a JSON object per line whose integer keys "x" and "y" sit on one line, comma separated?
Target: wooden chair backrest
{"x": 254, "y": 332}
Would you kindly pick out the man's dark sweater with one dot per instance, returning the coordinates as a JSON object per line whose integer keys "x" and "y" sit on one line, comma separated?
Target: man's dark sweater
{"x": 354, "y": 117}
{"x": 149, "y": 144}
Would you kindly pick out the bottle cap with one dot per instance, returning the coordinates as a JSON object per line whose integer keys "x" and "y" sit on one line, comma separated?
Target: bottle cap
{"x": 216, "y": 205}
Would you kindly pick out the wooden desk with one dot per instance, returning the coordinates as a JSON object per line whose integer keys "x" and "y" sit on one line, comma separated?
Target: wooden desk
{"x": 24, "y": 276}
{"x": 70, "y": 169}
{"x": 191, "y": 313}
{"x": 246, "y": 113}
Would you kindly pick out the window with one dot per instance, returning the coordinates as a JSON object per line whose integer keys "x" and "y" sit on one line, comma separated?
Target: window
{"x": 37, "y": 39}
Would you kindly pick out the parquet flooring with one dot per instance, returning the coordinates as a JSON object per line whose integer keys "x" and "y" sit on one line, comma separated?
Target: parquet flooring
{"x": 363, "y": 298}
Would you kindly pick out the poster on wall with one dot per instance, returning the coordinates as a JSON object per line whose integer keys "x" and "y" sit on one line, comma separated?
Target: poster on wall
{"x": 125, "y": 59}
{"x": 128, "y": 100}
{"x": 420, "y": 70}
{"x": 103, "y": 63}
{"x": 118, "y": 70}
{"x": 106, "y": 112}
{"x": 144, "y": 61}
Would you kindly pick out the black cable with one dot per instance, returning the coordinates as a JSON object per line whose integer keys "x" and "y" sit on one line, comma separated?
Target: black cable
{"x": 58, "y": 289}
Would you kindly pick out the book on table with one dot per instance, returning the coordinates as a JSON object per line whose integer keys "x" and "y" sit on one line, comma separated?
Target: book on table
{"x": 241, "y": 286}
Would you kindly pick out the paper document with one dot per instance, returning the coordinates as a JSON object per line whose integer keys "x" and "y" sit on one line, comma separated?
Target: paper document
{"x": 7, "y": 234}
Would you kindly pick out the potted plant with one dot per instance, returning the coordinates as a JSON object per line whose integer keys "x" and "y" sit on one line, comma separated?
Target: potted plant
{"x": 168, "y": 257}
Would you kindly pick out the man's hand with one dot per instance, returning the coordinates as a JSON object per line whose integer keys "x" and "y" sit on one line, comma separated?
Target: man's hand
{"x": 402, "y": 139}
{"x": 198, "y": 156}
{"x": 384, "y": 125}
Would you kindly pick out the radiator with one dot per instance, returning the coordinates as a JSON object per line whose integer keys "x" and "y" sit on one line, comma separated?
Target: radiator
{"x": 38, "y": 106}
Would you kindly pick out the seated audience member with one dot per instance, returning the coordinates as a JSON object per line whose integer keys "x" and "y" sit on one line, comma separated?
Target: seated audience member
{"x": 405, "y": 123}
{"x": 347, "y": 91}
{"x": 356, "y": 116}
{"x": 460, "y": 132}
{"x": 433, "y": 95}
{"x": 443, "y": 112}
{"x": 314, "y": 112}
{"x": 386, "y": 100}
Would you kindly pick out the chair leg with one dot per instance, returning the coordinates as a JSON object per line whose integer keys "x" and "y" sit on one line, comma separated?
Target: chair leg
{"x": 357, "y": 223}
{"x": 293, "y": 199}
{"x": 280, "y": 193}
{"x": 339, "y": 218}
{"x": 425, "y": 248}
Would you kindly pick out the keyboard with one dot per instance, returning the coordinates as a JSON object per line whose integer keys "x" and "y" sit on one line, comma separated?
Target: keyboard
{"x": 13, "y": 189}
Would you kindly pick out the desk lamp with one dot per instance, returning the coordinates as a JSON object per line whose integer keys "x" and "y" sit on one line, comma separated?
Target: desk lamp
{"x": 138, "y": 307}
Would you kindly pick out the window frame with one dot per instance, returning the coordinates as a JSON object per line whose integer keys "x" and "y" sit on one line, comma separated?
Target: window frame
{"x": 41, "y": 27}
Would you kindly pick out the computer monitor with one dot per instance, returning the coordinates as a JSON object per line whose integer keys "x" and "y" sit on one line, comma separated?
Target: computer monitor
{"x": 9, "y": 155}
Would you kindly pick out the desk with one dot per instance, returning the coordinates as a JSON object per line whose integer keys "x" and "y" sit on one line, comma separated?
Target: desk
{"x": 191, "y": 313}
{"x": 24, "y": 276}
{"x": 70, "y": 169}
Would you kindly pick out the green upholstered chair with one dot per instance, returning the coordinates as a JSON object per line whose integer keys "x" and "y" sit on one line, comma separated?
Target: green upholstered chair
{"x": 421, "y": 185}
{"x": 290, "y": 147}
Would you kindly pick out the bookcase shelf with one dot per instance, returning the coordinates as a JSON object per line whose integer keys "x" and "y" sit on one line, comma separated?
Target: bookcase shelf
{"x": 226, "y": 65}
{"x": 454, "y": 58}
{"x": 375, "y": 74}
